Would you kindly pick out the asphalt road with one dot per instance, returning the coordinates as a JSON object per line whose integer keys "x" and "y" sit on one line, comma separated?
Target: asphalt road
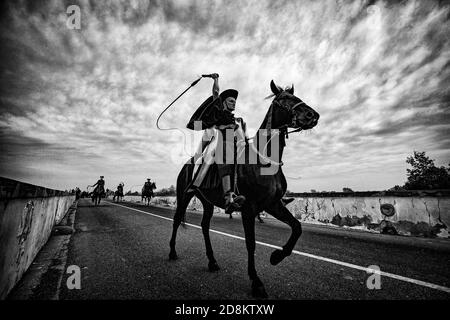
{"x": 123, "y": 254}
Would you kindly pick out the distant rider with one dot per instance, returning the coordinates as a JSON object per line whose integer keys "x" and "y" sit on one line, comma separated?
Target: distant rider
{"x": 100, "y": 186}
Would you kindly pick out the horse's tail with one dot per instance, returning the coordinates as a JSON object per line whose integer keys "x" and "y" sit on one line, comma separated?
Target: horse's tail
{"x": 183, "y": 181}
{"x": 183, "y": 212}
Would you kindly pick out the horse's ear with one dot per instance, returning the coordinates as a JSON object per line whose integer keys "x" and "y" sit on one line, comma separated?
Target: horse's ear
{"x": 275, "y": 89}
{"x": 291, "y": 89}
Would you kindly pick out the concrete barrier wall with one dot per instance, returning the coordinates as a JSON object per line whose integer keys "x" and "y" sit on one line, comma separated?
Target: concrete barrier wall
{"x": 414, "y": 215}
{"x": 417, "y": 213}
{"x": 27, "y": 216}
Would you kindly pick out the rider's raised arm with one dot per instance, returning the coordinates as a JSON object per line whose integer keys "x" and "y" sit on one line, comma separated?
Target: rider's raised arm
{"x": 215, "y": 88}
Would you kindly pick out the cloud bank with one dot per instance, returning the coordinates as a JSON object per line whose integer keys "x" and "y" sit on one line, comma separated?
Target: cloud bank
{"x": 75, "y": 104}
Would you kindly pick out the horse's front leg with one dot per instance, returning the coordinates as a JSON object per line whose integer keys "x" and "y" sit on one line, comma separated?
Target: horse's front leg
{"x": 280, "y": 212}
{"x": 248, "y": 221}
{"x": 208, "y": 210}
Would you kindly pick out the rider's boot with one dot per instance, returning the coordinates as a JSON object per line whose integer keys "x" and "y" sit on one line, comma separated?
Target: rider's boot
{"x": 233, "y": 202}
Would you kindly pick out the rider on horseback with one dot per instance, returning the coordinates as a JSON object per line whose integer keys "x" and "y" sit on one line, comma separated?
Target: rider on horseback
{"x": 147, "y": 190}
{"x": 100, "y": 189}
{"x": 218, "y": 114}
{"x": 120, "y": 189}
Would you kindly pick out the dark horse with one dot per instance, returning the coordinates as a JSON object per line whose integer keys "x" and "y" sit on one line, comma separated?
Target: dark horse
{"x": 262, "y": 192}
{"x": 118, "y": 194}
{"x": 97, "y": 195}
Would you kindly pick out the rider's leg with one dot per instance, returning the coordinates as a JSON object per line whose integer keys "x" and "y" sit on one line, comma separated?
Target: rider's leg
{"x": 232, "y": 201}
{"x": 225, "y": 160}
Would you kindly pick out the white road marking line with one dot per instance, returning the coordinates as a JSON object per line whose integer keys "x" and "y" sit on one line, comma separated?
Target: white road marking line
{"x": 313, "y": 256}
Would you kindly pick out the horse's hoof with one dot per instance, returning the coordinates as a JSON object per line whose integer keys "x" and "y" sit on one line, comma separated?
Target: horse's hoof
{"x": 277, "y": 256}
{"x": 213, "y": 266}
{"x": 259, "y": 292}
{"x": 173, "y": 256}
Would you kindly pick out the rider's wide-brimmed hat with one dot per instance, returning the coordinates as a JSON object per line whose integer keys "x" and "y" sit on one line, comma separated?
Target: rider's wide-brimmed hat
{"x": 101, "y": 176}
{"x": 229, "y": 93}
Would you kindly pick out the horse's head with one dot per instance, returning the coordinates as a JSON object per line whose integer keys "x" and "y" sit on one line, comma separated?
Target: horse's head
{"x": 290, "y": 111}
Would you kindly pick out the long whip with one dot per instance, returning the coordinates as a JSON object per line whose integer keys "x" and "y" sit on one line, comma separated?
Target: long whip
{"x": 179, "y": 96}
{"x": 157, "y": 121}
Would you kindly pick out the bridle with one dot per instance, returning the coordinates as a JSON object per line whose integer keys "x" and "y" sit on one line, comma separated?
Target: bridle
{"x": 283, "y": 129}
{"x": 291, "y": 110}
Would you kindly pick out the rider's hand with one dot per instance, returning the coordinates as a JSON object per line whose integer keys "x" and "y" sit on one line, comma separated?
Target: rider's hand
{"x": 214, "y": 75}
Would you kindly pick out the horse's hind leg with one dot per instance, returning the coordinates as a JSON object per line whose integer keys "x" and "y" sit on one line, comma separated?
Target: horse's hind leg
{"x": 280, "y": 212}
{"x": 182, "y": 203}
{"x": 208, "y": 210}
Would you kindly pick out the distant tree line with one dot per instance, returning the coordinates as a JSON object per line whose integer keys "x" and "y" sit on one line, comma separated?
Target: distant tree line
{"x": 167, "y": 192}
{"x": 135, "y": 193}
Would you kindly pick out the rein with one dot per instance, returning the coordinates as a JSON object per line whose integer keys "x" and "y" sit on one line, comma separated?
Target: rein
{"x": 283, "y": 129}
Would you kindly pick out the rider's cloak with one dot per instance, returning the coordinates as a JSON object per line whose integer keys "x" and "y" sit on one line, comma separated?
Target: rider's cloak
{"x": 211, "y": 112}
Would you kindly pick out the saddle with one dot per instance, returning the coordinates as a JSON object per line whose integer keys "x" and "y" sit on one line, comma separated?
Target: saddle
{"x": 210, "y": 181}
{"x": 206, "y": 173}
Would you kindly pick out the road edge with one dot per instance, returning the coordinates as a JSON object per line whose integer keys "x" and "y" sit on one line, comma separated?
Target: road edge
{"x": 42, "y": 280}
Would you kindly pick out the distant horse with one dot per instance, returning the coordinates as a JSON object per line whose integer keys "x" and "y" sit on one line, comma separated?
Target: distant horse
{"x": 119, "y": 193}
{"x": 97, "y": 195}
{"x": 147, "y": 193}
{"x": 262, "y": 191}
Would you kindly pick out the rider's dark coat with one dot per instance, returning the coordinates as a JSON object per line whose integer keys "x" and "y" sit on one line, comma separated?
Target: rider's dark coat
{"x": 100, "y": 186}
{"x": 147, "y": 189}
{"x": 210, "y": 113}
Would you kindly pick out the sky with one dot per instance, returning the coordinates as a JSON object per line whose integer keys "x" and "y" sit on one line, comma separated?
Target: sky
{"x": 79, "y": 103}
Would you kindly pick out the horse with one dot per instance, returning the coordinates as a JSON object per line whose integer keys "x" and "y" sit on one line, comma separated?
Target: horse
{"x": 97, "y": 195}
{"x": 118, "y": 193}
{"x": 263, "y": 192}
{"x": 147, "y": 193}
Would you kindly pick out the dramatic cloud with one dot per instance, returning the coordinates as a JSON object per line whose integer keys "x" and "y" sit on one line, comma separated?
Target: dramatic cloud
{"x": 79, "y": 103}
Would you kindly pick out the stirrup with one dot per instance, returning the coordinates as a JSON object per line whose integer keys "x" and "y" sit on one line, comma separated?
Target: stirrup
{"x": 233, "y": 202}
